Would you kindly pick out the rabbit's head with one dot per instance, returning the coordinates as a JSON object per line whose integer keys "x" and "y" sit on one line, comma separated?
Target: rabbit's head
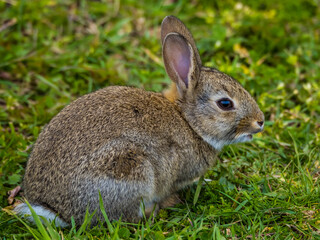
{"x": 216, "y": 106}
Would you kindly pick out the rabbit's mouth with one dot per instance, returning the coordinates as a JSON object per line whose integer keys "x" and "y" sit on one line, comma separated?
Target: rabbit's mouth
{"x": 245, "y": 137}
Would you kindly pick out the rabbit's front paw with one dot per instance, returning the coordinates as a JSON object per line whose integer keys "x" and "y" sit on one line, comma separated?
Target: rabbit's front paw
{"x": 170, "y": 201}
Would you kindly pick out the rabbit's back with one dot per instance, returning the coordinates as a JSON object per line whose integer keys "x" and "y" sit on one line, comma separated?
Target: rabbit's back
{"x": 117, "y": 134}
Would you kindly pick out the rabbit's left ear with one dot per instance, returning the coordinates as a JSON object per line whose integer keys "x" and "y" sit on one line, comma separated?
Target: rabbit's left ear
{"x": 171, "y": 24}
{"x": 180, "y": 62}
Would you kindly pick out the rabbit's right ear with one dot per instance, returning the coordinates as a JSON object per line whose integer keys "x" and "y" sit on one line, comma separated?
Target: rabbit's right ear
{"x": 172, "y": 24}
{"x": 180, "y": 62}
{"x": 180, "y": 54}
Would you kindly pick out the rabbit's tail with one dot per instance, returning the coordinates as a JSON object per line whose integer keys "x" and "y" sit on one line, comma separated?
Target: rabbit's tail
{"x": 24, "y": 211}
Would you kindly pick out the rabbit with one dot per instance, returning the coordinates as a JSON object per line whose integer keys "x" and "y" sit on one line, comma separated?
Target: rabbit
{"x": 138, "y": 148}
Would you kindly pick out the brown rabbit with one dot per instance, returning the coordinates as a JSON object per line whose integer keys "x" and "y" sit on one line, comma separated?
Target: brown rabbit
{"x": 136, "y": 146}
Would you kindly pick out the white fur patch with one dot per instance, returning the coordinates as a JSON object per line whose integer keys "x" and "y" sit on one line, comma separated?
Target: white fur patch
{"x": 217, "y": 144}
{"x": 24, "y": 211}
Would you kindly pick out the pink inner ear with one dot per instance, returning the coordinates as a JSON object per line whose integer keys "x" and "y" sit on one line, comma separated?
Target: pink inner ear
{"x": 182, "y": 65}
{"x": 179, "y": 55}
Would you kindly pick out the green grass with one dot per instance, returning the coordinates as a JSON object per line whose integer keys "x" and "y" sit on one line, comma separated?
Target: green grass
{"x": 53, "y": 51}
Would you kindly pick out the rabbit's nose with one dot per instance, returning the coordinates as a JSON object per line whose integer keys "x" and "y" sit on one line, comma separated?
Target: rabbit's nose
{"x": 260, "y": 123}
{"x": 258, "y": 126}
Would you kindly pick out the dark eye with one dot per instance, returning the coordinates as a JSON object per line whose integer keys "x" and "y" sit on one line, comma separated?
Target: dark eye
{"x": 225, "y": 104}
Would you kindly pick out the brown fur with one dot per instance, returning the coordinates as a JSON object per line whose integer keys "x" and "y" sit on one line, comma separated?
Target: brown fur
{"x": 171, "y": 93}
{"x": 133, "y": 145}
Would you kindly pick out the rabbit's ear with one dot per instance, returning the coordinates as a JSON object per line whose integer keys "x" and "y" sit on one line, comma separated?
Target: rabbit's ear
{"x": 180, "y": 62}
{"x": 171, "y": 24}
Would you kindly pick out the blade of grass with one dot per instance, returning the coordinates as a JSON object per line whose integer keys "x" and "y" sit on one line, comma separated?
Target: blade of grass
{"x": 87, "y": 220}
{"x": 110, "y": 227}
{"x": 34, "y": 233}
{"x": 199, "y": 186}
{"x": 51, "y": 230}
{"x": 38, "y": 222}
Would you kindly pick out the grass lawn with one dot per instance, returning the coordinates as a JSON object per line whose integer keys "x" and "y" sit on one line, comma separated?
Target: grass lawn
{"x": 53, "y": 51}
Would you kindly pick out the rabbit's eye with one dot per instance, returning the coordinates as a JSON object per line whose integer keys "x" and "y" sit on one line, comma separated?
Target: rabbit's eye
{"x": 225, "y": 104}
